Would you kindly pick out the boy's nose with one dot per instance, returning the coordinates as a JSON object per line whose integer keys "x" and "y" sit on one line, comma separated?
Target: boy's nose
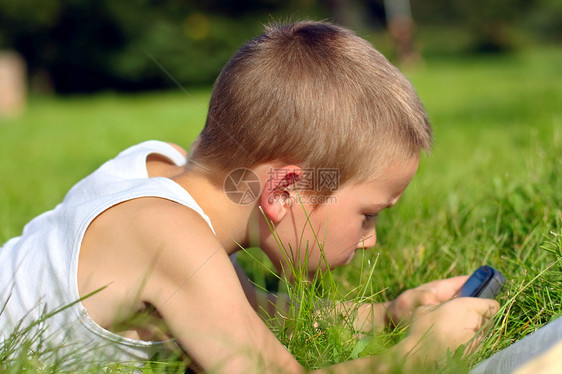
{"x": 367, "y": 241}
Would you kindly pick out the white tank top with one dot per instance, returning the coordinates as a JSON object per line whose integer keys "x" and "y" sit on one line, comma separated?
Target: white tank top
{"x": 38, "y": 270}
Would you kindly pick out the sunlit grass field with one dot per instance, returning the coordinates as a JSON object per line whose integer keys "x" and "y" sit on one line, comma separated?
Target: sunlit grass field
{"x": 490, "y": 192}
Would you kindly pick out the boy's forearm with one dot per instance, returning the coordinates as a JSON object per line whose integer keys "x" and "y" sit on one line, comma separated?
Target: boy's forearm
{"x": 376, "y": 314}
{"x": 368, "y": 316}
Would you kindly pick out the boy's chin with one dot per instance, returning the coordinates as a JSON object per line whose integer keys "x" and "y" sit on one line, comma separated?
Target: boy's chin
{"x": 345, "y": 261}
{"x": 349, "y": 258}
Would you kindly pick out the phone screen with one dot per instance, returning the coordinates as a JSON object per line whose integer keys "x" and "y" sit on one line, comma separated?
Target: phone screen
{"x": 477, "y": 281}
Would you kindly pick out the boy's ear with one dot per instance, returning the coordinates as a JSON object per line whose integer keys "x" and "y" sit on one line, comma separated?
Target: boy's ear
{"x": 279, "y": 191}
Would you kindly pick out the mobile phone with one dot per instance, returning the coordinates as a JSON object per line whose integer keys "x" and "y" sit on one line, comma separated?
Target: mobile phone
{"x": 485, "y": 282}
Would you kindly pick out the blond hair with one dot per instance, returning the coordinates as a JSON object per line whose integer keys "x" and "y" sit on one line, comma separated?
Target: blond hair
{"x": 315, "y": 95}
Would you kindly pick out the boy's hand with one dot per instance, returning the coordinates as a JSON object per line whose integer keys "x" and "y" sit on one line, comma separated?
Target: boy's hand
{"x": 434, "y": 330}
{"x": 401, "y": 309}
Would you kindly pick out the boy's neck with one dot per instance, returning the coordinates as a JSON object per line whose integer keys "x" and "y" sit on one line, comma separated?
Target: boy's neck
{"x": 232, "y": 222}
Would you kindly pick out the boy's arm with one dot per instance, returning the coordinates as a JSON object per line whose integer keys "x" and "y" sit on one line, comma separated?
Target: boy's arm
{"x": 196, "y": 290}
{"x": 400, "y": 310}
{"x": 194, "y": 286}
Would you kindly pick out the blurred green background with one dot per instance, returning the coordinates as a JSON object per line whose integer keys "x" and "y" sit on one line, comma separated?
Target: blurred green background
{"x": 103, "y": 75}
{"x": 88, "y": 45}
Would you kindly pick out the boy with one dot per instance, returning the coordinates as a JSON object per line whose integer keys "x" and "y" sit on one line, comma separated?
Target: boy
{"x": 302, "y": 113}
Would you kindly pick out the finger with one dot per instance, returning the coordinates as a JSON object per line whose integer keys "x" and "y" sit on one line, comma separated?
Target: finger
{"x": 423, "y": 310}
{"x": 487, "y": 308}
{"x": 457, "y": 281}
{"x": 426, "y": 297}
{"x": 444, "y": 289}
{"x": 483, "y": 328}
{"x": 447, "y": 288}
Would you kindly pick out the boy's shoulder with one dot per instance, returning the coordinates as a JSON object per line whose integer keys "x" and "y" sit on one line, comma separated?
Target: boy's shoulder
{"x": 159, "y": 220}
{"x": 169, "y": 236}
{"x": 140, "y": 250}
{"x": 149, "y": 226}
{"x": 165, "y": 255}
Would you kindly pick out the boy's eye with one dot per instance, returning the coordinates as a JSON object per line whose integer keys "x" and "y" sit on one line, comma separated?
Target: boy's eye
{"x": 371, "y": 217}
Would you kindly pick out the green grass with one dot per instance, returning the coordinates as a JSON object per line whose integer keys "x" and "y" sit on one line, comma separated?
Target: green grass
{"x": 490, "y": 192}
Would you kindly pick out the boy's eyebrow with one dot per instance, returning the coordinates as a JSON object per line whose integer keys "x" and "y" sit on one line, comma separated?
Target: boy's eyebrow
{"x": 378, "y": 207}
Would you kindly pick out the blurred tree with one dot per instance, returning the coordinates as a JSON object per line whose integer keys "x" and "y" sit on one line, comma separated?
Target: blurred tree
{"x": 545, "y": 19}
{"x": 401, "y": 27}
{"x": 346, "y": 12}
{"x": 436, "y": 12}
{"x": 490, "y": 21}
{"x": 24, "y": 26}
{"x": 86, "y": 45}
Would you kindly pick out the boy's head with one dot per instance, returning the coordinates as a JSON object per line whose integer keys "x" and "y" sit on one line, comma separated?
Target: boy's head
{"x": 315, "y": 95}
